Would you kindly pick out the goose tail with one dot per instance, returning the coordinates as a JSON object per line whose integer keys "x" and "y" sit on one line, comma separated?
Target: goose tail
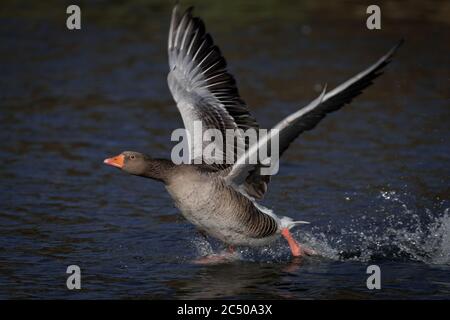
{"x": 286, "y": 222}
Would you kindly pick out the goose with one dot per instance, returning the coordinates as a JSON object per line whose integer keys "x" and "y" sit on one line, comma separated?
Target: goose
{"x": 222, "y": 199}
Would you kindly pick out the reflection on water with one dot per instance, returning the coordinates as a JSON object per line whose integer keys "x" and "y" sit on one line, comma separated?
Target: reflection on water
{"x": 372, "y": 179}
{"x": 231, "y": 280}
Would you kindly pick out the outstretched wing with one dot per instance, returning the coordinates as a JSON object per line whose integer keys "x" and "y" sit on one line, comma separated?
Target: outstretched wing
{"x": 247, "y": 178}
{"x": 201, "y": 85}
{"x": 337, "y": 98}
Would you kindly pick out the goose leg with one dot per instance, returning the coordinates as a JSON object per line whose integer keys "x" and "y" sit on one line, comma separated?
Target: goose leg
{"x": 296, "y": 249}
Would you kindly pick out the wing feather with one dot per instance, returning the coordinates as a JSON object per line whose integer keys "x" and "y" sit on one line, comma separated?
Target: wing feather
{"x": 199, "y": 81}
{"x": 247, "y": 178}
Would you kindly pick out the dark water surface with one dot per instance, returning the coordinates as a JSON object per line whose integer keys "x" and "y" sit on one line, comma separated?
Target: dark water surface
{"x": 373, "y": 179}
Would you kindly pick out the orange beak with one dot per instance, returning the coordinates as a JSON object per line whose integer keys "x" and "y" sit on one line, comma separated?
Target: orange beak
{"x": 116, "y": 161}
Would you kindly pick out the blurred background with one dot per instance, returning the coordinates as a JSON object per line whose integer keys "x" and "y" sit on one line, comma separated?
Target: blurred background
{"x": 373, "y": 179}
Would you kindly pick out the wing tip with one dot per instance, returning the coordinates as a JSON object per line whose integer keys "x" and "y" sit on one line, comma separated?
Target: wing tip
{"x": 175, "y": 9}
{"x": 175, "y": 21}
{"x": 388, "y": 56}
{"x": 397, "y": 46}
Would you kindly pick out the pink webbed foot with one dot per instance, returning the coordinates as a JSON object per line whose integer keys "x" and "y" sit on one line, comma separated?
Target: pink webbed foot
{"x": 296, "y": 249}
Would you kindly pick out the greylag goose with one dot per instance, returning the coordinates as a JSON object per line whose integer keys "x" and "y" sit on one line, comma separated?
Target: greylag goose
{"x": 221, "y": 199}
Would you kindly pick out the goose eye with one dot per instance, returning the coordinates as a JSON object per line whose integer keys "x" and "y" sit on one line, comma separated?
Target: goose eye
{"x": 132, "y": 157}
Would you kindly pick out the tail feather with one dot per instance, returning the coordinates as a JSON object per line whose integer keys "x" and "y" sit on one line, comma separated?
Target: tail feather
{"x": 287, "y": 222}
{"x": 283, "y": 222}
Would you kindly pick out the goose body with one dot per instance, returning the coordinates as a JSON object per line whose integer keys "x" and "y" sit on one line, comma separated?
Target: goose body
{"x": 205, "y": 200}
{"x": 221, "y": 199}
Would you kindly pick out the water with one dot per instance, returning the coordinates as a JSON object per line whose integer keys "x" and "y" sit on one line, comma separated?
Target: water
{"x": 373, "y": 178}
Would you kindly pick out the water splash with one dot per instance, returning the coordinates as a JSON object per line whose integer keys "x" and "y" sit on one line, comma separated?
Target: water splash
{"x": 395, "y": 232}
{"x": 202, "y": 246}
{"x": 437, "y": 245}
